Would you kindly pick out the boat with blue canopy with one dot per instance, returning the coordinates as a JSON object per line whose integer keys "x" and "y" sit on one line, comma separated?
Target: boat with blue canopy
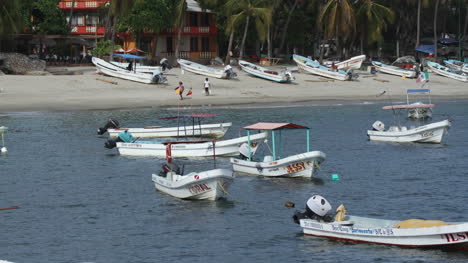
{"x": 298, "y": 165}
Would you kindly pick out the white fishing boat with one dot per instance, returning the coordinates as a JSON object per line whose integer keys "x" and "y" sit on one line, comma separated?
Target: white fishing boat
{"x": 298, "y": 165}
{"x": 448, "y": 72}
{"x": 352, "y": 63}
{"x": 138, "y": 67}
{"x": 112, "y": 70}
{"x": 314, "y": 67}
{"x": 411, "y": 233}
{"x": 205, "y": 185}
{"x": 416, "y": 110}
{"x": 3, "y": 129}
{"x": 184, "y": 129}
{"x": 393, "y": 70}
{"x": 265, "y": 73}
{"x": 456, "y": 64}
{"x": 430, "y": 133}
{"x": 205, "y": 70}
{"x": 126, "y": 145}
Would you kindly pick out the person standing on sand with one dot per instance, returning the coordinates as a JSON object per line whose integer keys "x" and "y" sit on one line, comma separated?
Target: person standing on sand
{"x": 207, "y": 87}
{"x": 180, "y": 90}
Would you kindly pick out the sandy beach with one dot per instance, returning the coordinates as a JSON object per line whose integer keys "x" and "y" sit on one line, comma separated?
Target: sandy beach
{"x": 87, "y": 91}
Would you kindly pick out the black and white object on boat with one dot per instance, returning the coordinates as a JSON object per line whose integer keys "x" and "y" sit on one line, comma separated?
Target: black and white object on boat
{"x": 111, "y": 124}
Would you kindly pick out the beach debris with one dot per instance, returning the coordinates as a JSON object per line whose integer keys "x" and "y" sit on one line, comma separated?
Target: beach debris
{"x": 16, "y": 63}
{"x": 335, "y": 177}
{"x": 11, "y": 207}
{"x": 108, "y": 81}
{"x": 289, "y": 204}
{"x": 313, "y": 80}
{"x": 368, "y": 76}
{"x": 382, "y": 93}
{"x": 325, "y": 79}
{"x": 381, "y": 80}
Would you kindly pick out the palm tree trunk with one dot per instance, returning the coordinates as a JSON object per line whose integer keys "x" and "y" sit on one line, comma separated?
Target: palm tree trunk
{"x": 228, "y": 56}
{"x": 71, "y": 13}
{"x": 241, "y": 53}
{"x": 418, "y": 24}
{"x": 114, "y": 29}
{"x": 285, "y": 29}
{"x": 179, "y": 34}
{"x": 466, "y": 24}
{"x": 108, "y": 25}
{"x": 270, "y": 48}
{"x": 435, "y": 27}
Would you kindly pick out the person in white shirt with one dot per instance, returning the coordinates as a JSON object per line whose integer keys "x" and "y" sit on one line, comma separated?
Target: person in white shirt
{"x": 207, "y": 87}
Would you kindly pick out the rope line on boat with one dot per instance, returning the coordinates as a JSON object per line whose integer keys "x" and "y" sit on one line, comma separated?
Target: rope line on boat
{"x": 228, "y": 194}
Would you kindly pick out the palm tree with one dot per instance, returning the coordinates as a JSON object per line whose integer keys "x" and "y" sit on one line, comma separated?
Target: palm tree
{"x": 118, "y": 8}
{"x": 337, "y": 21}
{"x": 436, "y": 9}
{"x": 373, "y": 19}
{"x": 10, "y": 18}
{"x": 243, "y": 10}
{"x": 285, "y": 28}
{"x": 181, "y": 7}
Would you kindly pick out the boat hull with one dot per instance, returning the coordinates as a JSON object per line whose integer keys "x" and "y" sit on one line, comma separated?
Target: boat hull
{"x": 453, "y": 236}
{"x": 352, "y": 63}
{"x": 111, "y": 70}
{"x": 216, "y": 130}
{"x": 444, "y": 71}
{"x": 139, "y": 68}
{"x": 431, "y": 133}
{"x": 299, "y": 165}
{"x": 201, "y": 69}
{"x": 393, "y": 70}
{"x": 186, "y": 149}
{"x": 263, "y": 72}
{"x": 206, "y": 185}
{"x": 320, "y": 70}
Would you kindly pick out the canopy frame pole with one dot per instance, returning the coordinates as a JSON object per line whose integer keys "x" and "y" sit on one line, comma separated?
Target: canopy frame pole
{"x": 273, "y": 144}
{"x": 248, "y": 142}
{"x": 280, "y": 144}
{"x": 308, "y": 139}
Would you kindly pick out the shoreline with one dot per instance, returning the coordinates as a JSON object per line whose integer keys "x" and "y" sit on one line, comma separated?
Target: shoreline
{"x": 86, "y": 91}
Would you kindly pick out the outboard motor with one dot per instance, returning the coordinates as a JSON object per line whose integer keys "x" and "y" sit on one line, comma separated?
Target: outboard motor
{"x": 166, "y": 168}
{"x": 229, "y": 72}
{"x": 159, "y": 78}
{"x": 378, "y": 126}
{"x": 317, "y": 207}
{"x": 124, "y": 136}
{"x": 165, "y": 64}
{"x": 111, "y": 124}
{"x": 289, "y": 75}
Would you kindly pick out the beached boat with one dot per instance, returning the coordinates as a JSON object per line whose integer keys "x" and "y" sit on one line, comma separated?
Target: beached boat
{"x": 3, "y": 129}
{"x": 381, "y": 67}
{"x": 184, "y": 129}
{"x": 261, "y": 72}
{"x": 448, "y": 72}
{"x": 314, "y": 67}
{"x": 138, "y": 67}
{"x": 430, "y": 133}
{"x": 352, "y": 63}
{"x": 205, "y": 185}
{"x": 113, "y": 70}
{"x": 127, "y": 145}
{"x": 456, "y": 64}
{"x": 416, "y": 110}
{"x": 205, "y": 70}
{"x": 412, "y": 233}
{"x": 298, "y": 165}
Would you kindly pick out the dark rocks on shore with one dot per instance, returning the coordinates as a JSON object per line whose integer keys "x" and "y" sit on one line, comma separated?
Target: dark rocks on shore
{"x": 16, "y": 63}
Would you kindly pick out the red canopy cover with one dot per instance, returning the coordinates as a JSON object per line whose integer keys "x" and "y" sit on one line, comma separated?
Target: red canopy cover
{"x": 274, "y": 126}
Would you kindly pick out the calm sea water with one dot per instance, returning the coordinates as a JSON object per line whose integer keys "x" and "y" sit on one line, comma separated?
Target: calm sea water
{"x": 81, "y": 202}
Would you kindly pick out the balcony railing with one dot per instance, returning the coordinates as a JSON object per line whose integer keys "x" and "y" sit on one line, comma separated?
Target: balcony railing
{"x": 88, "y": 30}
{"x": 192, "y": 55}
{"x": 80, "y": 4}
{"x": 193, "y": 30}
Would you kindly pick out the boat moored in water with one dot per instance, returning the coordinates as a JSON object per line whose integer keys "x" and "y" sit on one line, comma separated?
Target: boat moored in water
{"x": 3, "y": 129}
{"x": 416, "y": 110}
{"x": 430, "y": 133}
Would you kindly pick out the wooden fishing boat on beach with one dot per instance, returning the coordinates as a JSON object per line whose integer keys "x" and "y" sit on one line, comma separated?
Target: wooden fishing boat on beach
{"x": 261, "y": 72}
{"x": 314, "y": 67}
{"x": 412, "y": 233}
{"x": 352, "y": 63}
{"x": 448, "y": 72}
{"x": 113, "y": 70}
{"x": 430, "y": 133}
{"x": 127, "y": 145}
{"x": 416, "y": 110}
{"x": 298, "y": 165}
{"x": 185, "y": 129}
{"x": 381, "y": 67}
{"x": 456, "y": 64}
{"x": 205, "y": 70}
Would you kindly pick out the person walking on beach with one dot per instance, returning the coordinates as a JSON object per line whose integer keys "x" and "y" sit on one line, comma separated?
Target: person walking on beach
{"x": 180, "y": 90}
{"x": 207, "y": 87}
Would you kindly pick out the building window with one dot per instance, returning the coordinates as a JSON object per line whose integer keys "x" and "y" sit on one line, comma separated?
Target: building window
{"x": 194, "y": 44}
{"x": 169, "y": 45}
{"x": 205, "y": 20}
{"x": 92, "y": 20}
{"x": 205, "y": 44}
{"x": 193, "y": 19}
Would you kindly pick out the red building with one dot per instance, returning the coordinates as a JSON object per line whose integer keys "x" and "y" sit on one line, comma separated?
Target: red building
{"x": 198, "y": 40}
